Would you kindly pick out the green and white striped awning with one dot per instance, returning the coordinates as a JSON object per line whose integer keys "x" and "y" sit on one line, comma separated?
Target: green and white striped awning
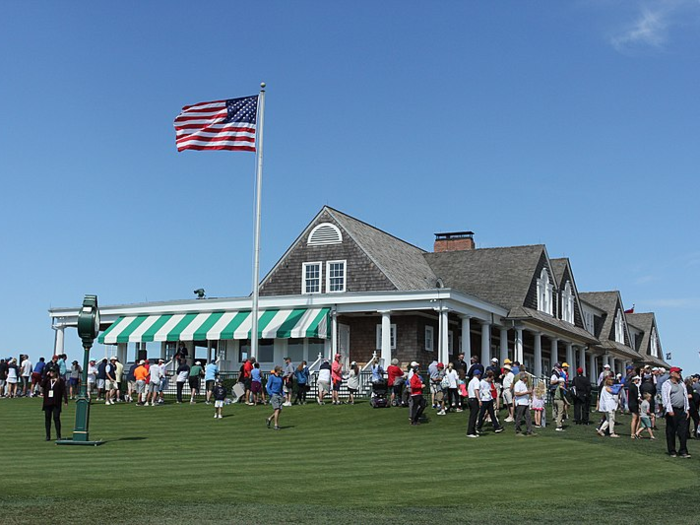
{"x": 215, "y": 326}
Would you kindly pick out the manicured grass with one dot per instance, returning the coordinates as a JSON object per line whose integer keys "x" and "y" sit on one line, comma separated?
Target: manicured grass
{"x": 347, "y": 464}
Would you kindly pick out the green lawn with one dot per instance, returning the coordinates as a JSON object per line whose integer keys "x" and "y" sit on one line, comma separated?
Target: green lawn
{"x": 347, "y": 464}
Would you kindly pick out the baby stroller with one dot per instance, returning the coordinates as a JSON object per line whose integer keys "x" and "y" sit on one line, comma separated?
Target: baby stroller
{"x": 379, "y": 393}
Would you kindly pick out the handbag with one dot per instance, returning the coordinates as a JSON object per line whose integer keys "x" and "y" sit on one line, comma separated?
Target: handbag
{"x": 445, "y": 383}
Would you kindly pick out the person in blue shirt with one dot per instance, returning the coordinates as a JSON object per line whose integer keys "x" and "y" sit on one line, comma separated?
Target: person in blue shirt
{"x": 256, "y": 381}
{"x": 275, "y": 391}
{"x": 210, "y": 373}
{"x": 301, "y": 374}
{"x": 38, "y": 376}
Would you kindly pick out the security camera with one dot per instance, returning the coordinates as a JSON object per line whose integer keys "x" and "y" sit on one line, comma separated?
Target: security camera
{"x": 199, "y": 292}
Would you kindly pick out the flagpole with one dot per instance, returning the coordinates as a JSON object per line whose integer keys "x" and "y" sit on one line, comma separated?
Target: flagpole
{"x": 256, "y": 242}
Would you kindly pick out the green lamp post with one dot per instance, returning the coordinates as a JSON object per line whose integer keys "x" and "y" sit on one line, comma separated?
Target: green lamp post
{"x": 88, "y": 329}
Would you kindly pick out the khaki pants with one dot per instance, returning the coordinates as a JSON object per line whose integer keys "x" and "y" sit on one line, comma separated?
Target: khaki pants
{"x": 609, "y": 422}
{"x": 558, "y": 412}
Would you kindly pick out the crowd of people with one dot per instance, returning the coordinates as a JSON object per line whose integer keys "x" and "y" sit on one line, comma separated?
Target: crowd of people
{"x": 647, "y": 393}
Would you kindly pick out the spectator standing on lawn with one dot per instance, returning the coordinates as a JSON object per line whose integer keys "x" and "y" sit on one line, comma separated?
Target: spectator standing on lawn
{"x": 12, "y": 378}
{"x": 323, "y": 382}
{"x": 522, "y": 390}
{"x": 418, "y": 402}
{"x": 337, "y": 378}
{"x": 183, "y": 374}
{"x": 395, "y": 381}
{"x": 433, "y": 378}
{"x": 675, "y": 402}
{"x": 486, "y": 404}
{"x": 289, "y": 381}
{"x": 497, "y": 382}
{"x": 154, "y": 384}
{"x": 559, "y": 402}
{"x": 608, "y": 406}
{"x": 130, "y": 383}
{"x": 301, "y": 376}
{"x": 119, "y": 375}
{"x": 454, "y": 400}
{"x": 101, "y": 378}
{"x": 632, "y": 392}
{"x": 63, "y": 367}
{"x": 91, "y": 378}
{"x": 195, "y": 380}
{"x": 354, "y": 381}
{"x": 693, "y": 403}
{"x": 474, "y": 403}
{"x": 582, "y": 397}
{"x": 274, "y": 390}
{"x": 475, "y": 365}
{"x": 75, "y": 373}
{"x": 110, "y": 381}
{"x": 38, "y": 377}
{"x": 219, "y": 393}
{"x": 644, "y": 417}
{"x": 508, "y": 382}
{"x": 3, "y": 377}
{"x": 539, "y": 396}
{"x": 460, "y": 364}
{"x": 211, "y": 372}
{"x": 256, "y": 388}
{"x": 648, "y": 387}
{"x": 441, "y": 389}
{"x": 26, "y": 374}
{"x": 55, "y": 392}
{"x": 141, "y": 374}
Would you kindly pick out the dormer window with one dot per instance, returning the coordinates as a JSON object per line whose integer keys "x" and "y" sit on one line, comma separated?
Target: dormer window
{"x": 545, "y": 291}
{"x": 567, "y": 304}
{"x": 619, "y": 328}
{"x": 654, "y": 343}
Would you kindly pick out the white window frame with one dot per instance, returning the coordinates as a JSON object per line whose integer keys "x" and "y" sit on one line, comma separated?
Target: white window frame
{"x": 393, "y": 337}
{"x": 567, "y": 299}
{"x": 654, "y": 342}
{"x": 429, "y": 336}
{"x": 328, "y": 275}
{"x": 303, "y": 276}
{"x": 619, "y": 328}
{"x": 544, "y": 293}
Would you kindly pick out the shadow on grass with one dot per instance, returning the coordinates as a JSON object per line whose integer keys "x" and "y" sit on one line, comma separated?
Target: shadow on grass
{"x": 133, "y": 438}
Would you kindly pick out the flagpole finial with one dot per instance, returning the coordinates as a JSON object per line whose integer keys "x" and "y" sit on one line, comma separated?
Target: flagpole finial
{"x": 262, "y": 86}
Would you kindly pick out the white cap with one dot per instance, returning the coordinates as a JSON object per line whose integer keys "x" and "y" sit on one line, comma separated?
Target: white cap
{"x": 606, "y": 366}
{"x": 494, "y": 360}
{"x": 662, "y": 369}
{"x": 198, "y": 363}
{"x": 142, "y": 362}
{"x": 562, "y": 380}
{"x": 414, "y": 364}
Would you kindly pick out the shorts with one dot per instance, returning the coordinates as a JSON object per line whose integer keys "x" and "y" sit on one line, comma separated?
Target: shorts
{"x": 132, "y": 385}
{"x": 507, "y": 396}
{"x": 246, "y": 382}
{"x": 219, "y": 403}
{"x": 194, "y": 383}
{"x": 154, "y": 387}
{"x": 110, "y": 385}
{"x": 209, "y": 384}
{"x": 73, "y": 381}
{"x": 435, "y": 388}
{"x": 36, "y": 378}
{"x": 353, "y": 391}
{"x": 439, "y": 396}
{"x": 397, "y": 389}
{"x": 276, "y": 401}
{"x": 25, "y": 381}
{"x": 336, "y": 386}
{"x": 645, "y": 421}
{"x": 256, "y": 387}
{"x": 324, "y": 386}
{"x": 140, "y": 387}
{"x": 634, "y": 409}
{"x": 101, "y": 383}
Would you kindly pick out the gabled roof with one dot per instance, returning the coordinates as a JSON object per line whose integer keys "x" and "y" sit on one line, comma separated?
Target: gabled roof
{"x": 610, "y": 302}
{"x": 401, "y": 262}
{"x": 646, "y": 322}
{"x": 500, "y": 276}
{"x": 545, "y": 320}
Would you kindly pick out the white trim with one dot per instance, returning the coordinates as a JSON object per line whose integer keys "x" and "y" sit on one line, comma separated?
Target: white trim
{"x": 393, "y": 336}
{"x": 304, "y": 291}
{"x": 325, "y": 241}
{"x": 328, "y": 275}
{"x": 429, "y": 329}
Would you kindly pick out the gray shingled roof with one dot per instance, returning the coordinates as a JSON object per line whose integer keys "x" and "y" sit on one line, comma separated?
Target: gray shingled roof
{"x": 401, "y": 262}
{"x": 542, "y": 318}
{"x": 645, "y": 322}
{"x": 500, "y": 276}
{"x": 558, "y": 268}
{"x": 608, "y": 302}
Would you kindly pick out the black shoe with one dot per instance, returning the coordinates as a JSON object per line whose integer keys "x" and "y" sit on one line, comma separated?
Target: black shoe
{"x": 268, "y": 423}
{"x": 48, "y": 438}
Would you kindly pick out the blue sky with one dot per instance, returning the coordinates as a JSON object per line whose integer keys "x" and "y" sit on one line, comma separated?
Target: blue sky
{"x": 573, "y": 124}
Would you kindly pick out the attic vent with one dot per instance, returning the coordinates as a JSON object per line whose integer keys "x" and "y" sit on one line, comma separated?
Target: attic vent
{"x": 325, "y": 233}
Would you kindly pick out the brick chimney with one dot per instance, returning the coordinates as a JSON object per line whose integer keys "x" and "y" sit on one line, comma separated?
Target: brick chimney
{"x": 454, "y": 242}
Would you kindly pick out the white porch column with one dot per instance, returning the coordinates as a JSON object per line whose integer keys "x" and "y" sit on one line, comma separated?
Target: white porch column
{"x": 466, "y": 337}
{"x": 570, "y": 357}
{"x": 443, "y": 351}
{"x": 386, "y": 338}
{"x": 592, "y": 368}
{"x": 519, "y": 350}
{"x": 121, "y": 352}
{"x": 538, "y": 354}
{"x": 334, "y": 334}
{"x": 485, "y": 343}
{"x": 504, "y": 345}
{"x": 554, "y": 351}
{"x": 58, "y": 342}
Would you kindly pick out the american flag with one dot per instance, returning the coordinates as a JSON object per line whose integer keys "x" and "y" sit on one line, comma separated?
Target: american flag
{"x": 222, "y": 124}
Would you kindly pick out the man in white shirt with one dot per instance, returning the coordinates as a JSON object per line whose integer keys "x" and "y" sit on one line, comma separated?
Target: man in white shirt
{"x": 91, "y": 377}
{"x": 26, "y": 373}
{"x": 154, "y": 384}
{"x": 473, "y": 400}
{"x": 522, "y": 392}
{"x": 486, "y": 404}
{"x": 508, "y": 379}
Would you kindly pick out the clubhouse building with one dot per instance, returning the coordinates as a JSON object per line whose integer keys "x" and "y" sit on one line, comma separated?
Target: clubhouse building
{"x": 344, "y": 286}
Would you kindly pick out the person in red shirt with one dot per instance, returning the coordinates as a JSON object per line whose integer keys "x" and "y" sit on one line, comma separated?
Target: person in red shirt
{"x": 247, "y": 380}
{"x": 418, "y": 402}
{"x": 337, "y": 378}
{"x": 395, "y": 380}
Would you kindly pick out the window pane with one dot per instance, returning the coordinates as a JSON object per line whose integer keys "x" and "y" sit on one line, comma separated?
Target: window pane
{"x": 295, "y": 350}
{"x": 266, "y": 350}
